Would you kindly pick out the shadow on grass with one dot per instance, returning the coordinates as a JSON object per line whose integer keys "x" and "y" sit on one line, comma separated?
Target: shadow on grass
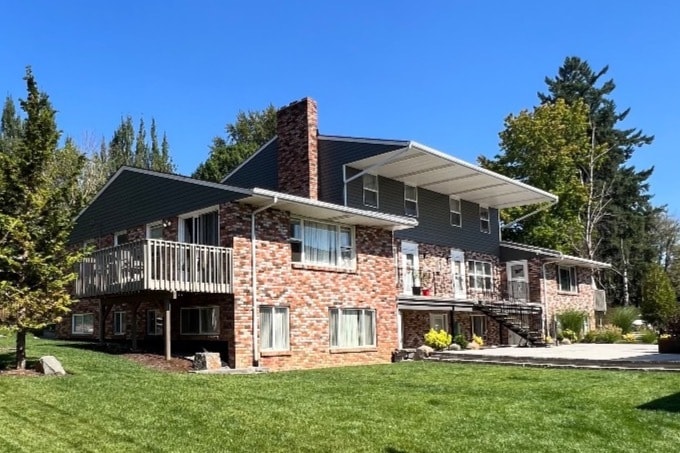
{"x": 8, "y": 361}
{"x": 670, "y": 403}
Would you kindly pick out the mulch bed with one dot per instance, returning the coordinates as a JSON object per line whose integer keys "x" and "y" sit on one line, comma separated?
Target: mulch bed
{"x": 158, "y": 362}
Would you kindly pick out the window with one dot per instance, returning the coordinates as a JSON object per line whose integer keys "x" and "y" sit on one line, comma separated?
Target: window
{"x": 567, "y": 279}
{"x": 439, "y": 321}
{"x": 199, "y": 321}
{"x": 319, "y": 243}
{"x": 410, "y": 200}
{"x": 479, "y": 325}
{"x": 274, "y": 328}
{"x": 82, "y": 324}
{"x": 201, "y": 228}
{"x": 154, "y": 322}
{"x": 484, "y": 223}
{"x": 479, "y": 275}
{"x": 154, "y": 230}
{"x": 454, "y": 209}
{"x": 120, "y": 238}
{"x": 119, "y": 323}
{"x": 352, "y": 328}
{"x": 370, "y": 190}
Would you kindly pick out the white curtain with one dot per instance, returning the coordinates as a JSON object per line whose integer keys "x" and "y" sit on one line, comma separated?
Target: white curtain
{"x": 209, "y": 320}
{"x": 320, "y": 243}
{"x": 349, "y": 333}
{"x": 266, "y": 327}
{"x": 352, "y": 328}
{"x": 280, "y": 331}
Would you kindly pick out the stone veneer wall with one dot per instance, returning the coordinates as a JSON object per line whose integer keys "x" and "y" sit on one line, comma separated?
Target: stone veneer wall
{"x": 416, "y": 323}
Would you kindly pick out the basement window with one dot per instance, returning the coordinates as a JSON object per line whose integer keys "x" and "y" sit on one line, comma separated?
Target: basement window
{"x": 82, "y": 324}
{"x": 199, "y": 321}
{"x": 274, "y": 328}
{"x": 119, "y": 323}
{"x": 352, "y": 328}
{"x": 154, "y": 322}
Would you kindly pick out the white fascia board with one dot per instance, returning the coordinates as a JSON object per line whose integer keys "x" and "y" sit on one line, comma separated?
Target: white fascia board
{"x": 394, "y": 219}
{"x": 370, "y": 141}
{"x": 559, "y": 257}
{"x": 462, "y": 163}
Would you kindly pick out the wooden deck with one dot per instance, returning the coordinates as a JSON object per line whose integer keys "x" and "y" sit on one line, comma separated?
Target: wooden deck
{"x": 152, "y": 264}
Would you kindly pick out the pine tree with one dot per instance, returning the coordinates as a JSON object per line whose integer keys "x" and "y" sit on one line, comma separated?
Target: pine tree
{"x": 35, "y": 221}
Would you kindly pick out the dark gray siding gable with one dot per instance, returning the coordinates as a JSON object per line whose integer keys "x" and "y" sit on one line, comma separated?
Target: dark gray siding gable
{"x": 134, "y": 199}
{"x": 260, "y": 171}
{"x": 333, "y": 155}
{"x": 434, "y": 220}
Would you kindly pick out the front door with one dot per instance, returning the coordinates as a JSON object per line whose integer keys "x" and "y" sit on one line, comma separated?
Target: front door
{"x": 518, "y": 281}
{"x": 458, "y": 274}
{"x": 410, "y": 267}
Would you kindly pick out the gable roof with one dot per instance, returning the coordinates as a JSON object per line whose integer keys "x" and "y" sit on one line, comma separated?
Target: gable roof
{"x": 135, "y": 196}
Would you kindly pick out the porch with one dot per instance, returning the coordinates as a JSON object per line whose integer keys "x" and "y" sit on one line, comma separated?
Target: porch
{"x": 155, "y": 265}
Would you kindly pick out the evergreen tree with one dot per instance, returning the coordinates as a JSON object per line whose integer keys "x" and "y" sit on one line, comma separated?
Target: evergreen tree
{"x": 36, "y": 218}
{"x": 626, "y": 223}
{"x": 246, "y": 135}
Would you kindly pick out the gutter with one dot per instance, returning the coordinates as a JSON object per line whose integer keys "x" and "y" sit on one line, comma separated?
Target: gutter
{"x": 253, "y": 284}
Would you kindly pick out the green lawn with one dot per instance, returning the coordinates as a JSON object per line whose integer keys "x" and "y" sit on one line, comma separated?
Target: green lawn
{"x": 111, "y": 404}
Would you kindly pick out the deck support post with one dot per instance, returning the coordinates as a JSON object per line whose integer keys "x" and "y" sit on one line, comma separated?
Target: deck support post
{"x": 166, "y": 326}
{"x": 104, "y": 311}
{"x": 133, "y": 333}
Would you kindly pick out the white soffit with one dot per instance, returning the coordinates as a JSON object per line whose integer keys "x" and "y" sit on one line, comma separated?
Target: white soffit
{"x": 319, "y": 210}
{"x": 427, "y": 168}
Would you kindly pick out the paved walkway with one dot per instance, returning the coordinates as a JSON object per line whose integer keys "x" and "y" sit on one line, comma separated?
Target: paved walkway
{"x": 582, "y": 351}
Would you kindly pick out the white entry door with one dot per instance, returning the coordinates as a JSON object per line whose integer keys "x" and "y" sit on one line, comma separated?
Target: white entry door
{"x": 458, "y": 274}
{"x": 410, "y": 267}
{"x": 518, "y": 281}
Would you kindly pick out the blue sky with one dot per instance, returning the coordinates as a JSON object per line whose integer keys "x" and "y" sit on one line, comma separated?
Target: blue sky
{"x": 445, "y": 74}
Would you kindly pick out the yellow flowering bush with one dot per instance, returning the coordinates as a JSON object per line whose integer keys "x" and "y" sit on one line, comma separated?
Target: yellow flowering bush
{"x": 478, "y": 340}
{"x": 629, "y": 337}
{"x": 438, "y": 339}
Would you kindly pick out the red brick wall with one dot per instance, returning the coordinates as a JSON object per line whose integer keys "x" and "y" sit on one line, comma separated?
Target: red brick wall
{"x": 297, "y": 130}
{"x": 558, "y": 301}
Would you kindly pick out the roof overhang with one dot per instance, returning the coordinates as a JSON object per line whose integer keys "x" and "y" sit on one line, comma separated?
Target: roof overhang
{"x": 553, "y": 256}
{"x": 321, "y": 210}
{"x": 427, "y": 168}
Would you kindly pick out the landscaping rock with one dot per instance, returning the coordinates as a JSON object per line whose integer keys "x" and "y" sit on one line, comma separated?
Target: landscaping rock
{"x": 50, "y": 366}
{"x": 565, "y": 342}
{"x": 423, "y": 352}
{"x": 454, "y": 347}
{"x": 207, "y": 361}
{"x": 472, "y": 345}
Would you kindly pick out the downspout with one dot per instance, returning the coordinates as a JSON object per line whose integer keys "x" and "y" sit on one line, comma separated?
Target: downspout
{"x": 545, "y": 293}
{"x": 253, "y": 287}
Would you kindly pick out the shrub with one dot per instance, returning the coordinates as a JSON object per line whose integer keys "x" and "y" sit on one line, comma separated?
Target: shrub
{"x": 569, "y": 335}
{"x": 589, "y": 337}
{"x": 478, "y": 340}
{"x": 438, "y": 339}
{"x": 608, "y": 334}
{"x": 461, "y": 341}
{"x": 658, "y": 297}
{"x": 572, "y": 320}
{"x": 648, "y": 336}
{"x": 629, "y": 338}
{"x": 623, "y": 317}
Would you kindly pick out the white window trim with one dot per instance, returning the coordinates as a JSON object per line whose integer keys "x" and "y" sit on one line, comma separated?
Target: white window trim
{"x": 459, "y": 212}
{"x": 483, "y": 209}
{"x": 151, "y": 225}
{"x": 119, "y": 233}
{"x": 376, "y": 190}
{"x": 338, "y": 227}
{"x": 272, "y": 308}
{"x": 411, "y": 200}
{"x": 474, "y": 274}
{"x": 183, "y": 309}
{"x": 572, "y": 290}
{"x": 484, "y": 321}
{"x": 363, "y": 311}
{"x": 445, "y": 327}
{"x": 122, "y": 324}
{"x": 197, "y": 213}
{"x": 157, "y": 314}
{"x": 73, "y": 323}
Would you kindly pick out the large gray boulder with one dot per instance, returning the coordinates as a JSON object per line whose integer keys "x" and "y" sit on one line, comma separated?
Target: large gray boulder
{"x": 50, "y": 366}
{"x": 423, "y": 352}
{"x": 207, "y": 361}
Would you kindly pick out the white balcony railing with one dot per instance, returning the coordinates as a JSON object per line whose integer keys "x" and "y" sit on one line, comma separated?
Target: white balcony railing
{"x": 152, "y": 264}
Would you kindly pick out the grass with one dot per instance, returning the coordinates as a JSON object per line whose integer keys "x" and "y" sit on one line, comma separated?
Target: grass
{"x": 111, "y": 404}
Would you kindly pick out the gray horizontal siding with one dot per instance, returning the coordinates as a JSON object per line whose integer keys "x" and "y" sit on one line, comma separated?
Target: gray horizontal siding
{"x": 510, "y": 254}
{"x": 260, "y": 171}
{"x": 333, "y": 155}
{"x": 135, "y": 198}
{"x": 433, "y": 217}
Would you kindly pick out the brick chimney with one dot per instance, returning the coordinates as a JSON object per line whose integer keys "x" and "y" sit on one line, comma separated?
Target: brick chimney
{"x": 297, "y": 129}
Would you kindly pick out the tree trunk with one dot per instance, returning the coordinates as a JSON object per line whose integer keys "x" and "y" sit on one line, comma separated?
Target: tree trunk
{"x": 21, "y": 350}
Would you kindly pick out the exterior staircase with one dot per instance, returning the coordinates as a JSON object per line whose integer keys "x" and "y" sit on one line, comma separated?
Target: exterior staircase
{"x": 516, "y": 318}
